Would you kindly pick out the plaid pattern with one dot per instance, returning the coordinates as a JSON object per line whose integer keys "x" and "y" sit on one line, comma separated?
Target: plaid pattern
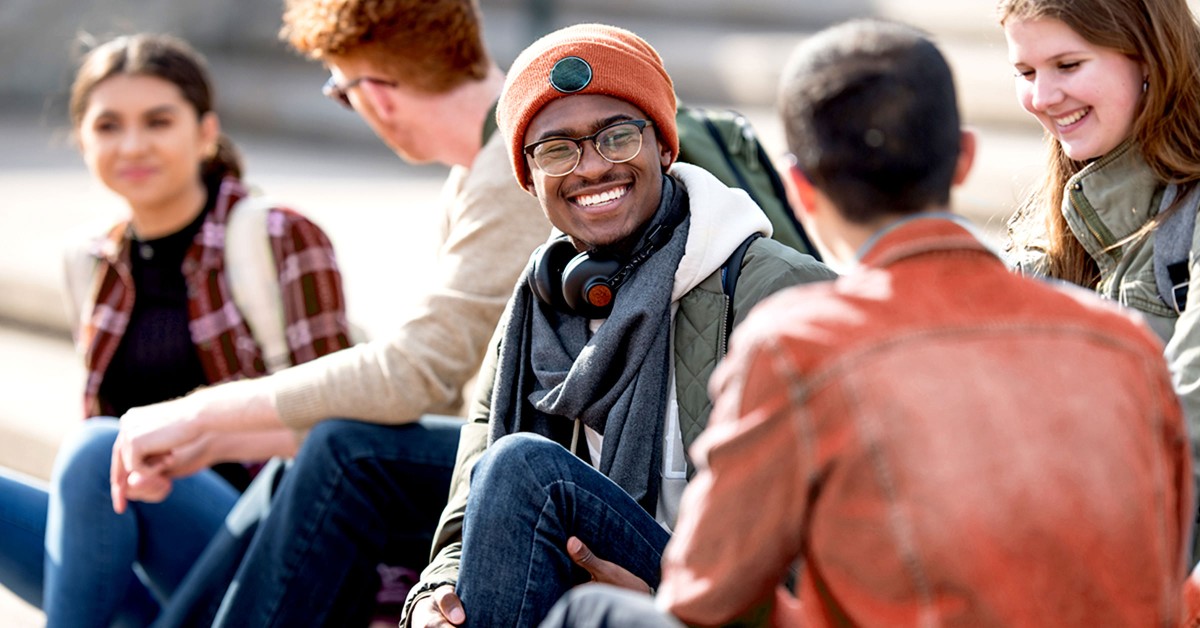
{"x": 313, "y": 303}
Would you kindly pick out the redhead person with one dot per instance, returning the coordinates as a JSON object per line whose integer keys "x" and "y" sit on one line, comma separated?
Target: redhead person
{"x": 159, "y": 320}
{"x": 1113, "y": 82}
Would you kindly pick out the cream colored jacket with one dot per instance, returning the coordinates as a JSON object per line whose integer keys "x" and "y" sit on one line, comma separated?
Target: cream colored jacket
{"x": 490, "y": 227}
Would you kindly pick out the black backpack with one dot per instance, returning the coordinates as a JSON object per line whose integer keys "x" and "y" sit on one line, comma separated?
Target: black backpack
{"x": 723, "y": 143}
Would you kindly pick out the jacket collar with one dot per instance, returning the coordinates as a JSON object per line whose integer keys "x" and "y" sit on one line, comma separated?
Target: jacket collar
{"x": 1109, "y": 200}
{"x": 920, "y": 234}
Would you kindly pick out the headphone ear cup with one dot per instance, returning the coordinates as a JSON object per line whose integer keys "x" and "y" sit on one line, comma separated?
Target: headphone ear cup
{"x": 546, "y": 272}
{"x": 586, "y": 284}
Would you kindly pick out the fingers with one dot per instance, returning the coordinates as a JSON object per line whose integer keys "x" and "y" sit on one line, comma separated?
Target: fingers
{"x": 146, "y": 482}
{"x": 447, "y": 602}
{"x": 583, "y": 556}
{"x": 602, "y": 570}
{"x": 117, "y": 477}
{"x": 440, "y": 609}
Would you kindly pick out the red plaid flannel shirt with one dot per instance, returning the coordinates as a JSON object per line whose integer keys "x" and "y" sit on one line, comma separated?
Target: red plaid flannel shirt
{"x": 313, "y": 303}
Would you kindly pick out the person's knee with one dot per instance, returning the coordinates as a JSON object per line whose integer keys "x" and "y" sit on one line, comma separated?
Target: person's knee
{"x": 515, "y": 458}
{"x": 84, "y": 460}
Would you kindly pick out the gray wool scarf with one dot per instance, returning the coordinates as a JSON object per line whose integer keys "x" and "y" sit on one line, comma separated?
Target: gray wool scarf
{"x": 615, "y": 381}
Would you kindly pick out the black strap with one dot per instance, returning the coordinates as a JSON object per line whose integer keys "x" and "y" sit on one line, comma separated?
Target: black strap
{"x": 729, "y": 278}
{"x": 1173, "y": 243}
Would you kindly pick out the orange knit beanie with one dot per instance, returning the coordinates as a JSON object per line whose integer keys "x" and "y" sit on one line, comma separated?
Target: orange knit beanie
{"x": 585, "y": 59}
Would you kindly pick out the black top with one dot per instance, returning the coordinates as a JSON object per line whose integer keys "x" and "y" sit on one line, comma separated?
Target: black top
{"x": 156, "y": 359}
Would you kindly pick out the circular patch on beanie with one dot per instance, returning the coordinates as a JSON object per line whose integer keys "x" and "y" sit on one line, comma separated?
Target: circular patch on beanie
{"x": 570, "y": 74}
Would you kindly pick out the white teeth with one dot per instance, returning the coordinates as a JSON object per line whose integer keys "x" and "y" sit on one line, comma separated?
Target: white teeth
{"x": 587, "y": 200}
{"x": 1071, "y": 119}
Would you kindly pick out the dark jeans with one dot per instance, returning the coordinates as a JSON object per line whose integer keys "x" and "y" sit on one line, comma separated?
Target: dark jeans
{"x": 528, "y": 496}
{"x": 356, "y": 495}
{"x": 604, "y": 606}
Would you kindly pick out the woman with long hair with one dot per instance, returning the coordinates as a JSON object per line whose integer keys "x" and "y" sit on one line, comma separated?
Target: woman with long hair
{"x": 158, "y": 315}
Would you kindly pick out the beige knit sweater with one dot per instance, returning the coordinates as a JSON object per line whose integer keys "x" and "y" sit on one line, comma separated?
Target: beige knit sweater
{"x": 489, "y": 230}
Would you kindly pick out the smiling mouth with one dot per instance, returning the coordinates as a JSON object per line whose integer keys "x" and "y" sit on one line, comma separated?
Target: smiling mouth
{"x": 608, "y": 196}
{"x": 1073, "y": 118}
{"x": 136, "y": 173}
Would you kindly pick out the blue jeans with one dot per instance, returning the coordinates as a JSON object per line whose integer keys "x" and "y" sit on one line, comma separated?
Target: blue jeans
{"x": 198, "y": 597}
{"x": 605, "y": 606}
{"x": 99, "y": 568}
{"x": 528, "y": 496}
{"x": 356, "y": 495}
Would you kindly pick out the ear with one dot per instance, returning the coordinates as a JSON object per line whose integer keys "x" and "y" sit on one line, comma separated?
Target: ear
{"x": 966, "y": 156}
{"x": 801, "y": 193}
{"x": 379, "y": 97}
{"x": 210, "y": 132}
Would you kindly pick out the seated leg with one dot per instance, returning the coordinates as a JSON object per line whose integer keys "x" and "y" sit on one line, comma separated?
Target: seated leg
{"x": 101, "y": 567}
{"x": 528, "y": 496}
{"x": 357, "y": 494}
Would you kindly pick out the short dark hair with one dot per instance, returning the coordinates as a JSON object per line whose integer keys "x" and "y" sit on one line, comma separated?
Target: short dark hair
{"x": 871, "y": 117}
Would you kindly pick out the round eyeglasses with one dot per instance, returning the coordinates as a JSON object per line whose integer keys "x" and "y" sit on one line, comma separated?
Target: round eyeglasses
{"x": 617, "y": 143}
{"x": 341, "y": 93}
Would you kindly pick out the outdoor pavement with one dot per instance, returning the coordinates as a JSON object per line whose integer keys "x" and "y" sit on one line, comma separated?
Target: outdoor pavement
{"x": 379, "y": 211}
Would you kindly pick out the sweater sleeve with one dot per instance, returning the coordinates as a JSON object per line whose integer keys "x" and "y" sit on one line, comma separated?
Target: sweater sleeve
{"x": 492, "y": 226}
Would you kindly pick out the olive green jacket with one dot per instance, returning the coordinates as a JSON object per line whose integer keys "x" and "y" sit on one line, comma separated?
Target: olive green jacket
{"x": 699, "y": 342}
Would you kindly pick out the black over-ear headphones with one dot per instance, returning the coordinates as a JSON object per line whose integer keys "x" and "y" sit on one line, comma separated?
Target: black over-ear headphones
{"x": 586, "y": 283}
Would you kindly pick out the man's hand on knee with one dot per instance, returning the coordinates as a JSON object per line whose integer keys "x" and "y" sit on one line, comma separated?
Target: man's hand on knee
{"x": 604, "y": 571}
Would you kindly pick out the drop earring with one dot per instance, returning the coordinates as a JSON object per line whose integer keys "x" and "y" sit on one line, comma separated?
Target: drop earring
{"x": 1145, "y": 85}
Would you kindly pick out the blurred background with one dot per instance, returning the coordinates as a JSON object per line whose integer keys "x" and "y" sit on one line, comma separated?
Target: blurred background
{"x": 303, "y": 149}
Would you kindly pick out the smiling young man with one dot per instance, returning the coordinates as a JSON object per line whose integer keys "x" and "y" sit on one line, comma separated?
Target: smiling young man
{"x": 573, "y": 462}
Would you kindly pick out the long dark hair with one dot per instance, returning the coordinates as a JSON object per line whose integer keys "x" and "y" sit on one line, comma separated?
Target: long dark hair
{"x": 165, "y": 57}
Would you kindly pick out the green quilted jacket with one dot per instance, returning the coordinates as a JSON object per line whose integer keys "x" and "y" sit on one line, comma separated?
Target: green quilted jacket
{"x": 700, "y": 342}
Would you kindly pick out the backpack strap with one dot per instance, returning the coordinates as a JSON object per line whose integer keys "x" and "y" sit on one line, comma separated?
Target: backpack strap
{"x": 254, "y": 278}
{"x": 1173, "y": 246}
{"x": 80, "y": 270}
{"x": 729, "y": 278}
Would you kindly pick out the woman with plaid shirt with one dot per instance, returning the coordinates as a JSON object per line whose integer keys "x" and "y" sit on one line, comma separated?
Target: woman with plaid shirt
{"x": 158, "y": 321}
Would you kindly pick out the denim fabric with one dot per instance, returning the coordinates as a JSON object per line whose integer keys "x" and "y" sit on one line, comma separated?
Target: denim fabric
{"x": 23, "y": 503}
{"x": 198, "y": 597}
{"x": 98, "y": 568}
{"x": 356, "y": 494}
{"x": 528, "y": 496}
{"x": 605, "y": 606}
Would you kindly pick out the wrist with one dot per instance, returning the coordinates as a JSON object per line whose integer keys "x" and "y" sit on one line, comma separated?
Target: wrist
{"x": 244, "y": 405}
